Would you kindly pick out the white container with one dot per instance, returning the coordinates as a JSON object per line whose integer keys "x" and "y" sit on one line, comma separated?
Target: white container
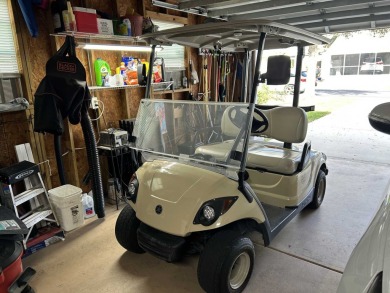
{"x": 88, "y": 208}
{"x": 68, "y": 207}
{"x": 105, "y": 26}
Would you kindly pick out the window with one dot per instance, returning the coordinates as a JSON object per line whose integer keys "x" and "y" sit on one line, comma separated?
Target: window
{"x": 173, "y": 55}
{"x": 8, "y": 58}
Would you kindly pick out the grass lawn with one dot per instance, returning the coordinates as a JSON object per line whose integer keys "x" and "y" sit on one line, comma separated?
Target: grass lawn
{"x": 311, "y": 116}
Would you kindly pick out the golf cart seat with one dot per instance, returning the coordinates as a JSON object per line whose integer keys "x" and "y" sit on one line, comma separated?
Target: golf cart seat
{"x": 285, "y": 124}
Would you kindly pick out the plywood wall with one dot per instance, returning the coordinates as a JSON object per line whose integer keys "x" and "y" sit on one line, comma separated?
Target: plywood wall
{"x": 118, "y": 104}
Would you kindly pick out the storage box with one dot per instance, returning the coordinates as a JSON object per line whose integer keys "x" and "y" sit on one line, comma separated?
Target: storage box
{"x": 105, "y": 26}
{"x": 68, "y": 208}
{"x": 46, "y": 236}
{"x": 86, "y": 20}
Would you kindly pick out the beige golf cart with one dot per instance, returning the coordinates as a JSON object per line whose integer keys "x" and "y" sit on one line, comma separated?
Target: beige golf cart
{"x": 212, "y": 172}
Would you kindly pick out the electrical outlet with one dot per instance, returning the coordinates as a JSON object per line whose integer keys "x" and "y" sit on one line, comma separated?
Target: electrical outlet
{"x": 94, "y": 103}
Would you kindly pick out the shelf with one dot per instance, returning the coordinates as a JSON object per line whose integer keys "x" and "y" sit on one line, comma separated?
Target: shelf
{"x": 171, "y": 91}
{"x": 27, "y": 195}
{"x": 90, "y": 36}
{"x": 36, "y": 217}
{"x": 120, "y": 87}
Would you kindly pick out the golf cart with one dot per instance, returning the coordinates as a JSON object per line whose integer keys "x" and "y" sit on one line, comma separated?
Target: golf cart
{"x": 209, "y": 177}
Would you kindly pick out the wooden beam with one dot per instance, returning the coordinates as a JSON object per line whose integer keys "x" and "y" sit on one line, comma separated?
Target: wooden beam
{"x": 166, "y": 17}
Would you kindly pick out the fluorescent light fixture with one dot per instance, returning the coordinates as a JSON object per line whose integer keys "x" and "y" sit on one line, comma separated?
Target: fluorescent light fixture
{"x": 90, "y": 46}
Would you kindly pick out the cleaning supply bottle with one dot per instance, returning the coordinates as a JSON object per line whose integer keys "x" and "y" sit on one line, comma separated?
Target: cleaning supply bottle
{"x": 102, "y": 69}
{"x": 88, "y": 209}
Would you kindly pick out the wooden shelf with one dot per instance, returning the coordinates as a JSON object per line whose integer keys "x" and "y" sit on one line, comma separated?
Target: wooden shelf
{"x": 122, "y": 87}
{"x": 171, "y": 91}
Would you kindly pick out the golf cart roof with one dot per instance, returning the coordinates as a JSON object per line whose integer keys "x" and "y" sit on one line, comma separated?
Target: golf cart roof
{"x": 236, "y": 36}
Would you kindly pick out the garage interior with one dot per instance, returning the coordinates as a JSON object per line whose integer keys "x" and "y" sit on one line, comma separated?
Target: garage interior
{"x": 311, "y": 252}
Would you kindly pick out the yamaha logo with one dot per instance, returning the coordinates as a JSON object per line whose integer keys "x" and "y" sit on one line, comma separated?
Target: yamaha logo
{"x": 158, "y": 209}
{"x": 24, "y": 174}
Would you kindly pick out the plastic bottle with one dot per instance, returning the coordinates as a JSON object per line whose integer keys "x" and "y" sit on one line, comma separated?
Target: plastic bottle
{"x": 102, "y": 69}
{"x": 127, "y": 22}
{"x": 56, "y": 17}
{"x": 88, "y": 208}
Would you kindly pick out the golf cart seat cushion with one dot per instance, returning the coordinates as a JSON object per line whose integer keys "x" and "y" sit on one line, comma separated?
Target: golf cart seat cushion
{"x": 274, "y": 159}
{"x": 260, "y": 155}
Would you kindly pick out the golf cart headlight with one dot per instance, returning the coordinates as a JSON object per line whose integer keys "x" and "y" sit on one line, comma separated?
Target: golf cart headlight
{"x": 133, "y": 188}
{"x": 208, "y": 213}
{"x": 211, "y": 210}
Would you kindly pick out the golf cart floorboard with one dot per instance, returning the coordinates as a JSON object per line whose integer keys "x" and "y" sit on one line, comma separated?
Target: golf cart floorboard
{"x": 278, "y": 217}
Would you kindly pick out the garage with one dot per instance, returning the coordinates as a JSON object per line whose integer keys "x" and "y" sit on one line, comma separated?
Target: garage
{"x": 94, "y": 175}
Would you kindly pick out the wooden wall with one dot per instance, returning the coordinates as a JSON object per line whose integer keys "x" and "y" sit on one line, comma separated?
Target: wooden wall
{"x": 119, "y": 104}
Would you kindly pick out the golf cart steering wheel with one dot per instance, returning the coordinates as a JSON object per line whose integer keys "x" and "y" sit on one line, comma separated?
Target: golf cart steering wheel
{"x": 259, "y": 126}
{"x": 237, "y": 116}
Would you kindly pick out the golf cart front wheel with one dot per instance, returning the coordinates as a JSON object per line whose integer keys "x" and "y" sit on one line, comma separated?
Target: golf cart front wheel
{"x": 126, "y": 230}
{"x": 319, "y": 190}
{"x": 226, "y": 263}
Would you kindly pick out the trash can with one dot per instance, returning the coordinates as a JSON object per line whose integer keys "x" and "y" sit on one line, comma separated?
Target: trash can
{"x": 68, "y": 207}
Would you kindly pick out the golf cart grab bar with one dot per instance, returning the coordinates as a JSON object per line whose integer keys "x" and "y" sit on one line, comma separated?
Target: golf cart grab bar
{"x": 305, "y": 156}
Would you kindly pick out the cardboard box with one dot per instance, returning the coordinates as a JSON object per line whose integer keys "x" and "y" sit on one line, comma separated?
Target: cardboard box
{"x": 105, "y": 26}
{"x": 46, "y": 236}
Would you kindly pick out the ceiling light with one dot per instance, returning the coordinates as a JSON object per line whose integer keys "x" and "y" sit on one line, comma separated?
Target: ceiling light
{"x": 90, "y": 46}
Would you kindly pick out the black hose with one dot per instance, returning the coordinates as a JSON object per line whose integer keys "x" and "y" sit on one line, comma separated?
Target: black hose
{"x": 60, "y": 163}
{"x": 94, "y": 165}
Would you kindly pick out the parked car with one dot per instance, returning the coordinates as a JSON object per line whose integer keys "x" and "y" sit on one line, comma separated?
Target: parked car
{"x": 368, "y": 268}
{"x": 289, "y": 88}
{"x": 372, "y": 64}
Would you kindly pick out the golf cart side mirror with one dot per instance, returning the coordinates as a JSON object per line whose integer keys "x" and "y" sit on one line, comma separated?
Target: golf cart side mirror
{"x": 278, "y": 70}
{"x": 380, "y": 118}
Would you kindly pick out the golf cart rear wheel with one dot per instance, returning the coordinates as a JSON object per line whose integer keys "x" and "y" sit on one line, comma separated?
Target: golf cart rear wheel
{"x": 319, "y": 190}
{"x": 226, "y": 263}
{"x": 126, "y": 230}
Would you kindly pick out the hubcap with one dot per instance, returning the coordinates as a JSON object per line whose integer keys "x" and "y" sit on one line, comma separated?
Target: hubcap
{"x": 321, "y": 191}
{"x": 239, "y": 270}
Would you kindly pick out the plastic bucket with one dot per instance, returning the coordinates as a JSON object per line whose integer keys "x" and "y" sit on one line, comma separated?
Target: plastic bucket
{"x": 67, "y": 204}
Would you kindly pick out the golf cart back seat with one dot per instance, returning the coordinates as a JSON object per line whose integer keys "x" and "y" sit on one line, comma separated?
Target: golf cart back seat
{"x": 286, "y": 124}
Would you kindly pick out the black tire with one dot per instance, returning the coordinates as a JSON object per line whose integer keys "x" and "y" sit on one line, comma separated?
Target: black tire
{"x": 126, "y": 230}
{"x": 226, "y": 263}
{"x": 319, "y": 190}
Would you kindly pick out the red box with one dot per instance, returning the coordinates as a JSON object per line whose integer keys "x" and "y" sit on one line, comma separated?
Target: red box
{"x": 86, "y": 20}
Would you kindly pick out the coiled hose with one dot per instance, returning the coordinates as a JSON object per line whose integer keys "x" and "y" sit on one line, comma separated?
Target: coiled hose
{"x": 94, "y": 165}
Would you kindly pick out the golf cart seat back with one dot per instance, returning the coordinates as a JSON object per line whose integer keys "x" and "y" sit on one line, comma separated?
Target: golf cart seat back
{"x": 286, "y": 124}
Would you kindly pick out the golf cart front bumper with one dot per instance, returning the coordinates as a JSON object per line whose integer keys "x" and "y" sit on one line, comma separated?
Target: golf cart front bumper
{"x": 165, "y": 246}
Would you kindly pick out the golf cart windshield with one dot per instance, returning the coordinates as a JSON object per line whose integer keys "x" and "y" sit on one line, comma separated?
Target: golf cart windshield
{"x": 205, "y": 134}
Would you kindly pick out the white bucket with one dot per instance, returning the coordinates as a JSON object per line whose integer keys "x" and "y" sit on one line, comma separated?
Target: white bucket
{"x": 68, "y": 207}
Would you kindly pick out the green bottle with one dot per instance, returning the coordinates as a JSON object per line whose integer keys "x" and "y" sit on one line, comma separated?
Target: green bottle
{"x": 102, "y": 69}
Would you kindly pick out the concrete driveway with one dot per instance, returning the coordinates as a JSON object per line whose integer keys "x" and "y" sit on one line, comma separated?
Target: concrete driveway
{"x": 311, "y": 252}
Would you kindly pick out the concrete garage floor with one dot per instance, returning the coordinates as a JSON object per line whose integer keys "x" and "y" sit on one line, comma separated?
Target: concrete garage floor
{"x": 307, "y": 256}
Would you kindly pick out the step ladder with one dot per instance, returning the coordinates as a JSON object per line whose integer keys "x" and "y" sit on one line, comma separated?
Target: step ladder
{"x": 36, "y": 195}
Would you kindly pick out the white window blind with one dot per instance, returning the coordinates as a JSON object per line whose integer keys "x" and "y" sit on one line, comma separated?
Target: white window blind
{"x": 8, "y": 60}
{"x": 173, "y": 55}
